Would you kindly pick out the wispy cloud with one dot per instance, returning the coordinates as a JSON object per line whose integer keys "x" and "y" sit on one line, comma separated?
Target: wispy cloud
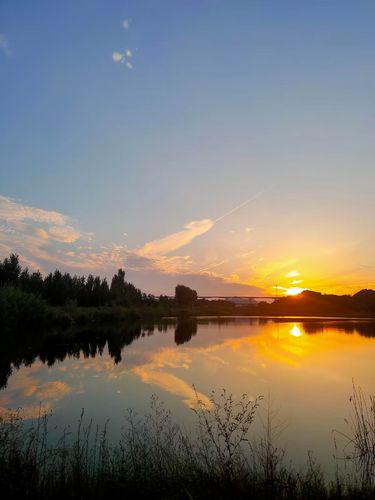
{"x": 117, "y": 57}
{"x": 4, "y": 46}
{"x": 123, "y": 58}
{"x": 12, "y": 211}
{"x": 238, "y": 207}
{"x": 35, "y": 233}
{"x": 126, "y": 24}
{"x": 65, "y": 234}
{"x": 177, "y": 240}
{"x": 292, "y": 274}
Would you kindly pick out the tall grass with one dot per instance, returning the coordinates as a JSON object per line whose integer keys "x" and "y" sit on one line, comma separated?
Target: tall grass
{"x": 360, "y": 439}
{"x": 154, "y": 457}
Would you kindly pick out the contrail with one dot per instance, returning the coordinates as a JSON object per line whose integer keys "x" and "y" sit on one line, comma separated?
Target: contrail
{"x": 255, "y": 197}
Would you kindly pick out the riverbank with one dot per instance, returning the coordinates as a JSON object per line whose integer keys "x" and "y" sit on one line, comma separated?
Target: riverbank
{"x": 155, "y": 458}
{"x": 21, "y": 311}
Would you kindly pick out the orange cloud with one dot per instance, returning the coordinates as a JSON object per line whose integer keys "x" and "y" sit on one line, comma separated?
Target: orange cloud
{"x": 64, "y": 234}
{"x": 12, "y": 211}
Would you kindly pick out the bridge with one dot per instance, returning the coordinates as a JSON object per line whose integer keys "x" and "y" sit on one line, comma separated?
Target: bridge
{"x": 228, "y": 297}
{"x": 236, "y": 297}
{"x": 233, "y": 297}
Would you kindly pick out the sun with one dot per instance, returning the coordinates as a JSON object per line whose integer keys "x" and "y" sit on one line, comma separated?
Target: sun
{"x": 295, "y": 290}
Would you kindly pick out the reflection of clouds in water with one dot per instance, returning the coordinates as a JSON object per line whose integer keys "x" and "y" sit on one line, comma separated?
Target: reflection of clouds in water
{"x": 27, "y": 412}
{"x": 33, "y": 395}
{"x": 153, "y": 373}
{"x": 50, "y": 391}
{"x": 151, "y": 368}
{"x": 171, "y": 358}
{"x": 171, "y": 384}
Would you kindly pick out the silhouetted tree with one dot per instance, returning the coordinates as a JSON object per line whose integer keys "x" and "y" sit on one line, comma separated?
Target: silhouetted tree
{"x": 105, "y": 295}
{"x": 54, "y": 289}
{"x": 10, "y": 270}
{"x": 118, "y": 286}
{"x": 185, "y": 296}
{"x": 96, "y": 292}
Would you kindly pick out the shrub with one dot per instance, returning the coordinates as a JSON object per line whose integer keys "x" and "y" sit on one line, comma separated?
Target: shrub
{"x": 20, "y": 310}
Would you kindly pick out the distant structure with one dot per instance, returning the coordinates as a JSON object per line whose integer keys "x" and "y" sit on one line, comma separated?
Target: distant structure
{"x": 241, "y": 301}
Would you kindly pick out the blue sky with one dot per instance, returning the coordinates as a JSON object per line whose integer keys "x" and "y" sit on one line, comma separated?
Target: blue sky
{"x": 178, "y": 116}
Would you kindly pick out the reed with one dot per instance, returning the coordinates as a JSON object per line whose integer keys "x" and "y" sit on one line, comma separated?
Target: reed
{"x": 154, "y": 457}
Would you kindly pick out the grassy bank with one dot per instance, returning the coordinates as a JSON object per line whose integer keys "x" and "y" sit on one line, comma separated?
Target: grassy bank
{"x": 155, "y": 458}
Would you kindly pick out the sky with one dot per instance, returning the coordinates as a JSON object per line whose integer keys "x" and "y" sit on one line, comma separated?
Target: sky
{"x": 226, "y": 145}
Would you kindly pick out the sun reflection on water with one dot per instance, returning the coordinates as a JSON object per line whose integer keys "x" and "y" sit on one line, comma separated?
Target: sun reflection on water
{"x": 295, "y": 331}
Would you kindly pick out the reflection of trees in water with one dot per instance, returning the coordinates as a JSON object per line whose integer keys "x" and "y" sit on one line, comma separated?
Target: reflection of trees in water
{"x": 86, "y": 343}
{"x": 185, "y": 328}
{"x": 365, "y": 329}
{"x": 22, "y": 350}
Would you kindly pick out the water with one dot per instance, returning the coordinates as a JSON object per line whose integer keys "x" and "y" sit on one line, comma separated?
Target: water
{"x": 304, "y": 368}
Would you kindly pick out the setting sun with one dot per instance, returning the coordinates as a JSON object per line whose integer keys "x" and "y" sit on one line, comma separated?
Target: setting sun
{"x": 295, "y": 290}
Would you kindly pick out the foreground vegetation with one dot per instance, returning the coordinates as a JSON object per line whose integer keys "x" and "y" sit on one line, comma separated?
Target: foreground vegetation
{"x": 155, "y": 458}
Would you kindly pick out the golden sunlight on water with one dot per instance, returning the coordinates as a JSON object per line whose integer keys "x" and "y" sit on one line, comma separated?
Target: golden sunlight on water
{"x": 295, "y": 331}
{"x": 304, "y": 367}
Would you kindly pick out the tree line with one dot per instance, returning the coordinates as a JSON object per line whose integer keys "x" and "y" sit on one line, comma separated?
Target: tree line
{"x": 58, "y": 288}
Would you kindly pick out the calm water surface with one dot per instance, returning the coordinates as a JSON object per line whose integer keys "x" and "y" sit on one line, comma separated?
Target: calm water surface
{"x": 305, "y": 368}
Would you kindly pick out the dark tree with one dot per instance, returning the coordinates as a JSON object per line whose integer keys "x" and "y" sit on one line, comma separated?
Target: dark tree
{"x": 54, "y": 290}
{"x": 10, "y": 270}
{"x": 105, "y": 295}
{"x": 58, "y": 289}
{"x": 185, "y": 296}
{"x": 118, "y": 286}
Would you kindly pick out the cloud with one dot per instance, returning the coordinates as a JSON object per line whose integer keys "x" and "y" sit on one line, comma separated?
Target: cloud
{"x": 35, "y": 234}
{"x": 123, "y": 58}
{"x": 156, "y": 281}
{"x": 12, "y": 211}
{"x": 65, "y": 234}
{"x": 4, "y": 46}
{"x": 177, "y": 240}
{"x": 292, "y": 274}
{"x": 41, "y": 233}
{"x": 241, "y": 205}
{"x": 126, "y": 24}
{"x": 117, "y": 57}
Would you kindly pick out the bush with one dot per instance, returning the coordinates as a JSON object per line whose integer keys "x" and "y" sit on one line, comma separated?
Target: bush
{"x": 20, "y": 310}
